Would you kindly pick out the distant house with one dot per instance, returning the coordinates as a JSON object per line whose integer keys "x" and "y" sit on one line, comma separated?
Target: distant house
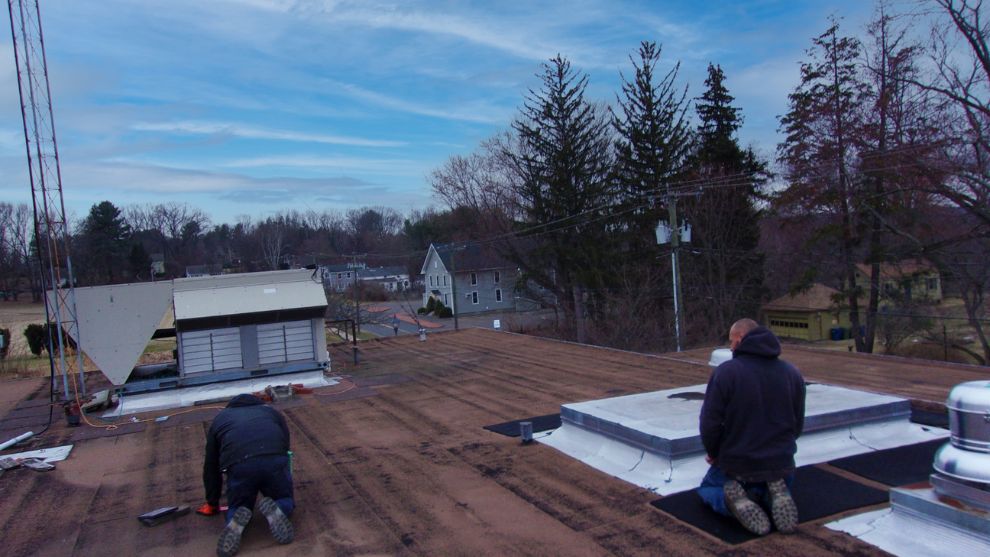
{"x": 469, "y": 280}
{"x": 339, "y": 278}
{"x": 392, "y": 279}
{"x": 808, "y": 315}
{"x": 193, "y": 271}
{"x": 906, "y": 280}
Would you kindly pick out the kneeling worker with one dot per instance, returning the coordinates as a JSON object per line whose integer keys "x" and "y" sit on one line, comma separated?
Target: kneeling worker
{"x": 248, "y": 440}
{"x": 750, "y": 421}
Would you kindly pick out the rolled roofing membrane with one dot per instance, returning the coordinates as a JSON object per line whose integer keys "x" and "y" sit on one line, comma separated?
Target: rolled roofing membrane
{"x": 652, "y": 439}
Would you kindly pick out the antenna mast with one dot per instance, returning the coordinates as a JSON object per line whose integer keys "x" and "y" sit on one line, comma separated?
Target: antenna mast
{"x": 51, "y": 230}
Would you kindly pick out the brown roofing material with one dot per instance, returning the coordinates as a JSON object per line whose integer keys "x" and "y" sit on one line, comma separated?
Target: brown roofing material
{"x": 818, "y": 297}
{"x": 899, "y": 270}
{"x": 411, "y": 471}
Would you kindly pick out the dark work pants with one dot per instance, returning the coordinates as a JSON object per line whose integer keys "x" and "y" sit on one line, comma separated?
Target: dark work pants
{"x": 712, "y": 490}
{"x": 267, "y": 474}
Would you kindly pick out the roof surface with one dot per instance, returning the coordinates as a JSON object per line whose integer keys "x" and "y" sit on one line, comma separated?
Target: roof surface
{"x": 818, "y": 297}
{"x": 246, "y": 293}
{"x": 906, "y": 268}
{"x": 470, "y": 257}
{"x": 399, "y": 464}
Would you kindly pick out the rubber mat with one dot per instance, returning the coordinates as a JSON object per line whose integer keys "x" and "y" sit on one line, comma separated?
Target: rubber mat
{"x": 540, "y": 423}
{"x": 898, "y": 466}
{"x": 816, "y": 492}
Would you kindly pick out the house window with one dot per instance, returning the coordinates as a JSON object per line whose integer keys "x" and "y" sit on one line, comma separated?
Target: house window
{"x": 498, "y": 294}
{"x": 474, "y": 297}
{"x": 446, "y": 300}
{"x": 431, "y": 280}
{"x": 498, "y": 277}
{"x": 340, "y": 276}
{"x": 445, "y": 280}
{"x": 434, "y": 264}
{"x": 474, "y": 279}
{"x": 933, "y": 284}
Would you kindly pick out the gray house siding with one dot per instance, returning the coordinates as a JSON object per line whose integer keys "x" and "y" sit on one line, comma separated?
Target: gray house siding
{"x": 477, "y": 289}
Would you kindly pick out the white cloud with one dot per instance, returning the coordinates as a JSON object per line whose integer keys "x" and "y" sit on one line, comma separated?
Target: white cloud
{"x": 376, "y": 166}
{"x": 479, "y": 113}
{"x": 192, "y": 127}
{"x": 389, "y": 18}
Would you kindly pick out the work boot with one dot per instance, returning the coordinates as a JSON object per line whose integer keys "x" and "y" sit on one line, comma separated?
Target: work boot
{"x": 277, "y": 521}
{"x": 782, "y": 507}
{"x": 746, "y": 511}
{"x": 230, "y": 538}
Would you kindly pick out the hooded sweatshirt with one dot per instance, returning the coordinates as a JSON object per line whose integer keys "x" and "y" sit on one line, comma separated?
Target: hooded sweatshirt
{"x": 754, "y": 410}
{"x": 246, "y": 428}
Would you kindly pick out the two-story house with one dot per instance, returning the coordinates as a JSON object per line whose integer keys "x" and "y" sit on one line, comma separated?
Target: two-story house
{"x": 905, "y": 280}
{"x": 469, "y": 279}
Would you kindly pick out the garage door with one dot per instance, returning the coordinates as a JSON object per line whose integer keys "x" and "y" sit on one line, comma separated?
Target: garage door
{"x": 285, "y": 342}
{"x": 210, "y": 350}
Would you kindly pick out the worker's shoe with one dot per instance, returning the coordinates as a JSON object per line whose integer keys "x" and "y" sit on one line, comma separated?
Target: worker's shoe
{"x": 782, "y": 507}
{"x": 746, "y": 511}
{"x": 277, "y": 521}
{"x": 230, "y": 538}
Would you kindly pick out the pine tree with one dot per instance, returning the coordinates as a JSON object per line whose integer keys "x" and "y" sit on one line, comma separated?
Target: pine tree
{"x": 822, "y": 128}
{"x": 653, "y": 145}
{"x": 106, "y": 236}
{"x": 563, "y": 167}
{"x": 725, "y": 274}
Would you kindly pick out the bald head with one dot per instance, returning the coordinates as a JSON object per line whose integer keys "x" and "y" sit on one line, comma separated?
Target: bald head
{"x": 739, "y": 330}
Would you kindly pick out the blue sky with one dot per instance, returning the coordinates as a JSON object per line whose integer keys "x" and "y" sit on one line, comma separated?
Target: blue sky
{"x": 248, "y": 107}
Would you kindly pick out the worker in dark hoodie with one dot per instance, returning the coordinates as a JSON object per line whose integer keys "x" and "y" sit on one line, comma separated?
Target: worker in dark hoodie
{"x": 249, "y": 441}
{"x": 750, "y": 421}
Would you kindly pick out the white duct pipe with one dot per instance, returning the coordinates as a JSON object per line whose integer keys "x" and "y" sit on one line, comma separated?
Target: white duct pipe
{"x": 16, "y": 440}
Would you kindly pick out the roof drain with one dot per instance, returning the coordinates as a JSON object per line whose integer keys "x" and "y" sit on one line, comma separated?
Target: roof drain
{"x": 526, "y": 432}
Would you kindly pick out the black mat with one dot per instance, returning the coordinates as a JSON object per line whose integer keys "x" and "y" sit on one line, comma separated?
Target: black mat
{"x": 898, "y": 466}
{"x": 817, "y": 494}
{"x": 540, "y": 423}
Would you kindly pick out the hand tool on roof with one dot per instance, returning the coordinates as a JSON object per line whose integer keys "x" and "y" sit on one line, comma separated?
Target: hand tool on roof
{"x": 157, "y": 516}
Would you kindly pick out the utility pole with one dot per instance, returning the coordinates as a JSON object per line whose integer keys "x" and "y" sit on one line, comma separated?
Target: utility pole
{"x": 675, "y": 238}
{"x": 357, "y": 302}
{"x": 675, "y": 243}
{"x": 453, "y": 286}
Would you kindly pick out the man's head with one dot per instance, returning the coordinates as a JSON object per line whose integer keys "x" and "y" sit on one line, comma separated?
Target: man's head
{"x": 739, "y": 330}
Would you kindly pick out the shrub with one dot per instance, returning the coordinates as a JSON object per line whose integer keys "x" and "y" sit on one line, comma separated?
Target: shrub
{"x": 421, "y": 311}
{"x": 4, "y": 342}
{"x": 36, "y": 336}
{"x": 431, "y": 304}
{"x": 444, "y": 312}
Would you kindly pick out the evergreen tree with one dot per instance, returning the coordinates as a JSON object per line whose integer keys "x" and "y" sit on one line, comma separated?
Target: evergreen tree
{"x": 106, "y": 236}
{"x": 725, "y": 273}
{"x": 654, "y": 141}
{"x": 822, "y": 128}
{"x": 562, "y": 167}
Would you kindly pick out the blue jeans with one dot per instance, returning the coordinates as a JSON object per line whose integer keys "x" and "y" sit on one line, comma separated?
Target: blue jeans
{"x": 712, "y": 489}
{"x": 267, "y": 474}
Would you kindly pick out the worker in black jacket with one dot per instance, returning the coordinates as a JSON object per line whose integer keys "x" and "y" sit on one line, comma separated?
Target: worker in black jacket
{"x": 249, "y": 440}
{"x": 750, "y": 421}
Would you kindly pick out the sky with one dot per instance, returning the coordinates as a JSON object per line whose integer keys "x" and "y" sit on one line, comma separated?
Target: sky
{"x": 251, "y": 107}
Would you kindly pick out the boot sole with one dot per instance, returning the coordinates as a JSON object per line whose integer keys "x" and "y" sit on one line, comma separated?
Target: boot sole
{"x": 278, "y": 523}
{"x": 782, "y": 507}
{"x": 230, "y": 538}
{"x": 746, "y": 511}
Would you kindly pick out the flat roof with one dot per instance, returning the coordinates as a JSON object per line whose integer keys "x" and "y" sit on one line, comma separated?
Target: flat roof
{"x": 398, "y": 462}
